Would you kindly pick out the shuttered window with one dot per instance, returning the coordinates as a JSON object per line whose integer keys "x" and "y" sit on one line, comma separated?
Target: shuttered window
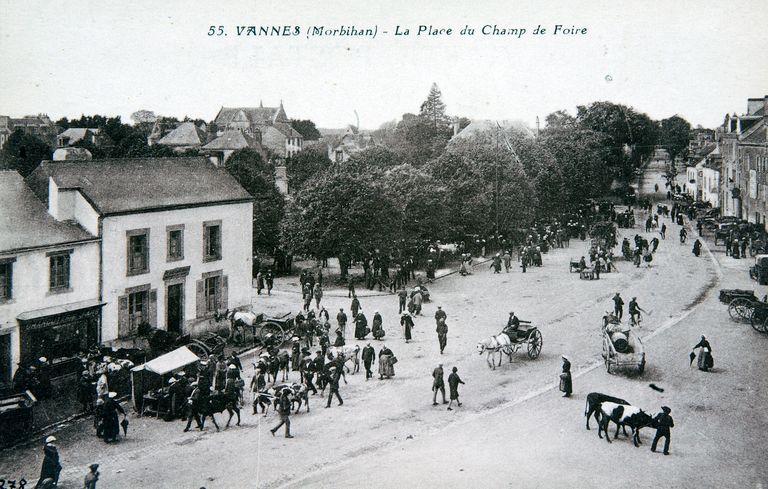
{"x": 212, "y": 293}
{"x": 6, "y": 281}
{"x": 211, "y": 241}
{"x": 138, "y": 251}
{"x": 138, "y": 309}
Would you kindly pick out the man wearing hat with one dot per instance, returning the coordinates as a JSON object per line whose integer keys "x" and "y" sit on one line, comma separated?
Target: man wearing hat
{"x": 663, "y": 422}
{"x": 284, "y": 408}
{"x": 442, "y": 331}
{"x": 618, "y": 306}
{"x": 565, "y": 378}
{"x": 513, "y": 324}
{"x": 341, "y": 319}
{"x": 111, "y": 421}
{"x": 333, "y": 383}
{"x": 406, "y": 321}
{"x": 438, "y": 384}
{"x": 369, "y": 356}
{"x": 51, "y": 466}
{"x": 85, "y": 391}
{"x": 193, "y": 407}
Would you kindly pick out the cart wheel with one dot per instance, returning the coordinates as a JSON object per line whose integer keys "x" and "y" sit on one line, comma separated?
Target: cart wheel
{"x": 740, "y": 309}
{"x": 764, "y": 325}
{"x": 274, "y": 329}
{"x": 758, "y": 320}
{"x": 198, "y": 350}
{"x": 534, "y": 344}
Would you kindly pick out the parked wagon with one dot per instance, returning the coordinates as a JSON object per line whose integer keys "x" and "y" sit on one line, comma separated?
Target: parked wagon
{"x": 622, "y": 349}
{"x": 16, "y": 417}
{"x": 207, "y": 345}
{"x": 740, "y": 303}
{"x": 759, "y": 317}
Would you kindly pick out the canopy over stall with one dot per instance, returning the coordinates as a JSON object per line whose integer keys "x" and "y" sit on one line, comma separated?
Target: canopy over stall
{"x": 152, "y": 375}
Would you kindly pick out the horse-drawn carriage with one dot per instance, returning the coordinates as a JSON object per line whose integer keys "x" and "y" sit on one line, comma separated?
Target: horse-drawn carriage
{"x": 744, "y": 306}
{"x": 622, "y": 348}
{"x": 161, "y": 341}
{"x": 527, "y": 336}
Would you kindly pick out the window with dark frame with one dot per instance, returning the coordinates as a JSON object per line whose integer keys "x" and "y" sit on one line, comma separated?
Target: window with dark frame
{"x": 59, "y": 272}
{"x": 6, "y": 281}
{"x": 212, "y": 241}
{"x": 212, "y": 293}
{"x": 175, "y": 244}
{"x": 137, "y": 308}
{"x": 138, "y": 252}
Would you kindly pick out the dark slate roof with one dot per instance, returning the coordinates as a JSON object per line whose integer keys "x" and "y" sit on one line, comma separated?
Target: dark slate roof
{"x": 233, "y": 139}
{"x": 25, "y": 221}
{"x": 187, "y": 134}
{"x": 255, "y": 115}
{"x": 123, "y": 186}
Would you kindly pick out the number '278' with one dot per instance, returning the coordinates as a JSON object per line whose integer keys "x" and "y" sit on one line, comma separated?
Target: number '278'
{"x": 216, "y": 30}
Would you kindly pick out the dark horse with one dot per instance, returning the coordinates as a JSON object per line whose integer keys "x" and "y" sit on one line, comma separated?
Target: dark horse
{"x": 218, "y": 403}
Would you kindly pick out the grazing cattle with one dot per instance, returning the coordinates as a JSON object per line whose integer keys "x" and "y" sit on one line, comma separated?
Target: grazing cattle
{"x": 218, "y": 403}
{"x": 594, "y": 399}
{"x": 622, "y": 415}
{"x": 349, "y": 354}
{"x": 298, "y": 393}
{"x": 495, "y": 344}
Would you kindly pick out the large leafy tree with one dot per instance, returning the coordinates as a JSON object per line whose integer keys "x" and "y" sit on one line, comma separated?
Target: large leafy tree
{"x": 23, "y": 152}
{"x": 258, "y": 178}
{"x": 306, "y": 128}
{"x": 305, "y": 165}
{"x": 350, "y": 216}
{"x": 674, "y": 134}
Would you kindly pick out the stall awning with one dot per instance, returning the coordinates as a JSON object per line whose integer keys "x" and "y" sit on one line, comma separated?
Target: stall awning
{"x": 169, "y": 362}
{"x": 58, "y": 310}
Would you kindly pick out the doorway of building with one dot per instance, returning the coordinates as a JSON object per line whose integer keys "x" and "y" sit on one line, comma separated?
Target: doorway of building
{"x": 174, "y": 307}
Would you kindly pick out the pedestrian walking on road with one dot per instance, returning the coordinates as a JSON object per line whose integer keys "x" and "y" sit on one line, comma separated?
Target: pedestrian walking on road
{"x": 406, "y": 321}
{"x": 334, "y": 387}
{"x": 654, "y": 244}
{"x": 193, "y": 407}
{"x": 442, "y": 334}
{"x": 318, "y": 293}
{"x": 438, "y": 384}
{"x": 92, "y": 477}
{"x": 706, "y": 361}
{"x": 697, "y": 248}
{"x": 618, "y": 306}
{"x": 270, "y": 280}
{"x": 259, "y": 282}
{"x": 402, "y": 298}
{"x": 341, "y": 320}
{"x": 354, "y": 306}
{"x": 377, "y": 329}
{"x": 453, "y": 384}
{"x": 369, "y": 356}
{"x": 566, "y": 385}
{"x": 51, "y": 465}
{"x": 361, "y": 326}
{"x": 663, "y": 422}
{"x": 284, "y": 408}
{"x": 386, "y": 363}
{"x": 663, "y": 231}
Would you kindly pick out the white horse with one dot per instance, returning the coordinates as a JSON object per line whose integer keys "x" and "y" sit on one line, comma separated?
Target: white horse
{"x": 241, "y": 319}
{"x": 499, "y": 343}
{"x": 348, "y": 353}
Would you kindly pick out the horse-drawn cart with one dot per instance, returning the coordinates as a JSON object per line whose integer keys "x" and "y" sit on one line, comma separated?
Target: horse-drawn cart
{"x": 16, "y": 419}
{"x": 509, "y": 343}
{"x": 740, "y": 302}
{"x": 266, "y": 330}
{"x": 622, "y": 348}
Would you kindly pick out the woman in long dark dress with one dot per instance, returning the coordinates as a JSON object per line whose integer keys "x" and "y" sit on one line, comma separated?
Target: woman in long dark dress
{"x": 111, "y": 422}
{"x": 565, "y": 378}
{"x": 361, "y": 324}
{"x": 51, "y": 466}
{"x": 453, "y": 385}
{"x": 407, "y": 322}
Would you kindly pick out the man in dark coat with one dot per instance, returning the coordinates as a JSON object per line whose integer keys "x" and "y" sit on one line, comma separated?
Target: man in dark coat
{"x": 193, "y": 407}
{"x": 369, "y": 356}
{"x": 339, "y": 339}
{"x": 402, "y": 298}
{"x": 663, "y": 231}
{"x": 270, "y": 280}
{"x": 663, "y": 422}
{"x": 86, "y": 391}
{"x": 618, "y": 306}
{"x": 442, "y": 334}
{"x": 453, "y": 384}
{"x": 341, "y": 319}
{"x": 354, "y": 306}
{"x": 51, "y": 466}
{"x": 438, "y": 384}
{"x": 333, "y": 383}
{"x": 284, "y": 408}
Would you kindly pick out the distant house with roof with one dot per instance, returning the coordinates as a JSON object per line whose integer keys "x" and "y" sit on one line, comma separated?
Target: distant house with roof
{"x": 349, "y": 144}
{"x": 37, "y": 125}
{"x": 49, "y": 282}
{"x": 220, "y": 149}
{"x": 277, "y": 134}
{"x": 75, "y": 135}
{"x": 176, "y": 237}
{"x": 184, "y": 137}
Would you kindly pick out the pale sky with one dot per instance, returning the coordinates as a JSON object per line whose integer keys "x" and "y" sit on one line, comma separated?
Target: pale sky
{"x": 699, "y": 59}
